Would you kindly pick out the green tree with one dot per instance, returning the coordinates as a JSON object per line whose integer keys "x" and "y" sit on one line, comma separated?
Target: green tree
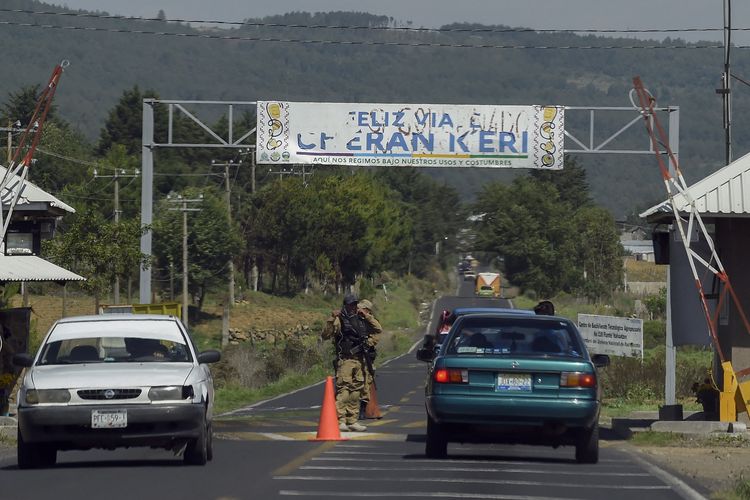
{"x": 599, "y": 252}
{"x": 526, "y": 223}
{"x": 212, "y": 240}
{"x": 434, "y": 211}
{"x": 21, "y": 104}
{"x": 570, "y": 182}
{"x": 125, "y": 122}
{"x": 97, "y": 249}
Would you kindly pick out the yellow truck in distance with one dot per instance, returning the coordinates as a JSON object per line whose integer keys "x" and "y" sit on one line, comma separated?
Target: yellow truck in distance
{"x": 487, "y": 285}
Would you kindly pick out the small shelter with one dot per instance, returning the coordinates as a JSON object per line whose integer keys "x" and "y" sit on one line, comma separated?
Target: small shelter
{"x": 723, "y": 201}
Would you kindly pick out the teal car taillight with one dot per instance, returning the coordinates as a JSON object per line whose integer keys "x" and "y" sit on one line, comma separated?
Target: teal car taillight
{"x": 451, "y": 376}
{"x": 577, "y": 379}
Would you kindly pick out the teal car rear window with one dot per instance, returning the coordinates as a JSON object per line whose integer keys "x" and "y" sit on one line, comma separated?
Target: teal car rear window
{"x": 515, "y": 336}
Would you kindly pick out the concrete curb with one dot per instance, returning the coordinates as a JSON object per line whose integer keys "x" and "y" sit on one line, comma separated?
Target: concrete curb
{"x": 642, "y": 422}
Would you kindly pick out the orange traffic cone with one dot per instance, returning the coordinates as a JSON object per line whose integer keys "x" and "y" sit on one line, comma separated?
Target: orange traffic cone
{"x": 372, "y": 410}
{"x": 328, "y": 426}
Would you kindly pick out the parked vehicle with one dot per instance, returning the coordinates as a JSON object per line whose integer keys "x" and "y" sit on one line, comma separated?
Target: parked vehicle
{"x": 487, "y": 285}
{"x": 115, "y": 380}
{"x": 513, "y": 378}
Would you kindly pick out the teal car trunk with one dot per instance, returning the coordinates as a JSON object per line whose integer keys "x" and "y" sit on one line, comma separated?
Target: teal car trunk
{"x": 515, "y": 379}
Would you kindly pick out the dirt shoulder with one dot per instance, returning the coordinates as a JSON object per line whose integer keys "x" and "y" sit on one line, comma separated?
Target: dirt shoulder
{"x": 716, "y": 464}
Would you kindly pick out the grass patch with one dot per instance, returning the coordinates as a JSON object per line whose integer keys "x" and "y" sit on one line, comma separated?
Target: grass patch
{"x": 622, "y": 407}
{"x": 232, "y": 396}
{"x": 7, "y": 441}
{"x": 651, "y": 438}
{"x": 741, "y": 491}
{"x": 639, "y": 270}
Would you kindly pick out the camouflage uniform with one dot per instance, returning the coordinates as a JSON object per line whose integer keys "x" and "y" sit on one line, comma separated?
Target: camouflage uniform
{"x": 366, "y": 306}
{"x": 350, "y": 369}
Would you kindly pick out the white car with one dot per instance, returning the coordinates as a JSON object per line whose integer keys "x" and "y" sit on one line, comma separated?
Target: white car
{"x": 115, "y": 380}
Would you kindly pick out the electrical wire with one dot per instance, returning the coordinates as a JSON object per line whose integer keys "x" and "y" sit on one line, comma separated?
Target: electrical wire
{"x": 258, "y": 24}
{"x": 74, "y": 160}
{"x": 374, "y": 43}
{"x": 209, "y": 174}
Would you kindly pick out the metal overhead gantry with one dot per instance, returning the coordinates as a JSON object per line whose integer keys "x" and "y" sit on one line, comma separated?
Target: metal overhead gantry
{"x": 215, "y": 139}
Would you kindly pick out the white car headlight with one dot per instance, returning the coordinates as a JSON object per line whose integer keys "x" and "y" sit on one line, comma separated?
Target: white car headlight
{"x": 37, "y": 396}
{"x": 170, "y": 393}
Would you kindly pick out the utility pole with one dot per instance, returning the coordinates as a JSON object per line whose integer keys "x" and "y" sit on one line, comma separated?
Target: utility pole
{"x": 228, "y": 199}
{"x": 281, "y": 173}
{"x": 185, "y": 209}
{"x": 726, "y": 85}
{"x": 119, "y": 172}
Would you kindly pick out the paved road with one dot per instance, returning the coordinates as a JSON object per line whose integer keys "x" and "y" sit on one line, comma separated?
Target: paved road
{"x": 263, "y": 452}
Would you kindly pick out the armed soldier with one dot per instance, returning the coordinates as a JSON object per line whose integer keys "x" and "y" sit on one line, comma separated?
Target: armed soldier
{"x": 352, "y": 331}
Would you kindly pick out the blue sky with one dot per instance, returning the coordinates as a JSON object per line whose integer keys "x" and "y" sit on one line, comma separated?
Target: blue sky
{"x": 540, "y": 14}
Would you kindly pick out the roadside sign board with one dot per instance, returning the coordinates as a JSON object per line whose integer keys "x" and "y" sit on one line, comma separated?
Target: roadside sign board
{"x": 612, "y": 335}
{"x": 414, "y": 135}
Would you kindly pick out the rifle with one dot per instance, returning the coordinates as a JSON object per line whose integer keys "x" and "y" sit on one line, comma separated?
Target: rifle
{"x": 369, "y": 355}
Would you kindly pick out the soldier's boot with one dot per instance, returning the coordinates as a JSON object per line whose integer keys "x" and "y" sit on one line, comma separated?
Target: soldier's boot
{"x": 357, "y": 427}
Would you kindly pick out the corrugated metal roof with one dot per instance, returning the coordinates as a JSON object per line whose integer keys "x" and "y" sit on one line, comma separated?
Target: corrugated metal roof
{"x": 31, "y": 194}
{"x": 33, "y": 268}
{"x": 725, "y": 192}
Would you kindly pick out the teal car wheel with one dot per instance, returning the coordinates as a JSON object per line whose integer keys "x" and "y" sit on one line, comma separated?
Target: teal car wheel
{"x": 436, "y": 445}
{"x": 587, "y": 448}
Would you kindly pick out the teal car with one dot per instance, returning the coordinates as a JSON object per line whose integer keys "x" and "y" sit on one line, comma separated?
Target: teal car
{"x": 513, "y": 378}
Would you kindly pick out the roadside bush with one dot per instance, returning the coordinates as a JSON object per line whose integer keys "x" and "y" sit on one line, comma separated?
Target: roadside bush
{"x": 638, "y": 380}
{"x": 654, "y": 334}
{"x": 253, "y": 366}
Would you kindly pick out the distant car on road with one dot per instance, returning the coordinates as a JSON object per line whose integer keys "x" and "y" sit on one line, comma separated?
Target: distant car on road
{"x": 513, "y": 378}
{"x": 115, "y": 380}
{"x": 470, "y": 275}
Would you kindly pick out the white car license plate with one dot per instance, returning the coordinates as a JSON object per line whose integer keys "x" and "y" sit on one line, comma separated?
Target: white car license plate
{"x": 109, "y": 419}
{"x": 520, "y": 382}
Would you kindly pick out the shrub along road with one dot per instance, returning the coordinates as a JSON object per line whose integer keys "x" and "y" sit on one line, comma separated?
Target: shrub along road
{"x": 263, "y": 451}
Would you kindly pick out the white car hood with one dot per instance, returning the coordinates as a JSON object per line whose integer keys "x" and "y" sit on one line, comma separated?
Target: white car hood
{"x": 110, "y": 375}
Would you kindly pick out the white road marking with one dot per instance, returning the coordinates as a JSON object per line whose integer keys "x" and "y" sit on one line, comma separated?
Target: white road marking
{"x": 276, "y": 437}
{"x": 411, "y": 494}
{"x": 476, "y": 481}
{"x": 489, "y": 459}
{"x": 439, "y": 461}
{"x": 577, "y": 473}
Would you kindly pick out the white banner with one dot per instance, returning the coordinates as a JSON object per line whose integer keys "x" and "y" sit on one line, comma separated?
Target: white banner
{"x": 612, "y": 335}
{"x": 414, "y": 135}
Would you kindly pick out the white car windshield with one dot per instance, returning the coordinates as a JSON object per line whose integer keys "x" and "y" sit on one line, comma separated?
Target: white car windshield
{"x": 115, "y": 342}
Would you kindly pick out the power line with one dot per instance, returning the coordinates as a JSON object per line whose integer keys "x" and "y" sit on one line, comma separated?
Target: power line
{"x": 90, "y": 15}
{"x": 71, "y": 159}
{"x": 366, "y": 42}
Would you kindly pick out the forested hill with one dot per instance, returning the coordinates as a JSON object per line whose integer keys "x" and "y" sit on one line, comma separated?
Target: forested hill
{"x": 105, "y": 63}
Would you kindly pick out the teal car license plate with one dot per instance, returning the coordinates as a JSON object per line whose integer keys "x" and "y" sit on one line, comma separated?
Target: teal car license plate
{"x": 517, "y": 382}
